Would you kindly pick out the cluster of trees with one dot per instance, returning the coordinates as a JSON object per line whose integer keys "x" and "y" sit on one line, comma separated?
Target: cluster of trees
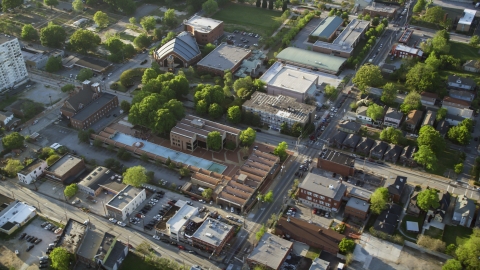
{"x": 214, "y": 141}
{"x": 210, "y": 6}
{"x": 372, "y": 35}
{"x": 368, "y": 76}
{"x": 245, "y": 87}
{"x": 419, "y": 6}
{"x": 118, "y": 49}
{"x": 295, "y": 130}
{"x": 12, "y": 167}
{"x": 209, "y": 99}
{"x": 461, "y": 134}
{"x": 13, "y": 140}
{"x": 430, "y": 145}
{"x": 127, "y": 7}
{"x": 392, "y": 135}
{"x": 379, "y": 200}
{"x": 466, "y": 255}
{"x": 281, "y": 151}
{"x": 277, "y": 4}
{"x": 53, "y": 64}
{"x": 248, "y": 136}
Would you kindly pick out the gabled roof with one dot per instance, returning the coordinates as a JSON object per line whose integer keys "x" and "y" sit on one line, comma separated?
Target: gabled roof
{"x": 463, "y": 208}
{"x": 362, "y": 110}
{"x": 379, "y": 147}
{"x": 414, "y": 117}
{"x": 471, "y": 63}
{"x": 350, "y": 125}
{"x": 408, "y": 151}
{"x": 79, "y": 100}
{"x": 394, "y": 114}
{"x": 429, "y": 95}
{"x": 397, "y": 187}
{"x": 5, "y": 115}
{"x": 365, "y": 144}
{"x": 327, "y": 27}
{"x": 443, "y": 127}
{"x": 352, "y": 140}
{"x": 388, "y": 219}
{"x": 339, "y": 137}
{"x": 184, "y": 45}
{"x": 393, "y": 152}
{"x": 456, "y": 101}
{"x": 461, "y": 80}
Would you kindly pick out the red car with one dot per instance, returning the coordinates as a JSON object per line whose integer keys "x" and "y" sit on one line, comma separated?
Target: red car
{"x": 181, "y": 247}
{"x": 314, "y": 211}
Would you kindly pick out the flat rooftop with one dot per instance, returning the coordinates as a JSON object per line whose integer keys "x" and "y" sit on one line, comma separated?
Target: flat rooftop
{"x": 327, "y": 27}
{"x": 4, "y": 38}
{"x": 382, "y": 8}
{"x": 176, "y": 222}
{"x": 358, "y": 204}
{"x": 32, "y": 166}
{"x": 271, "y": 251}
{"x": 408, "y": 49}
{"x": 90, "y": 244}
{"x": 72, "y": 235}
{"x": 337, "y": 157}
{"x": 320, "y": 184}
{"x": 224, "y": 57}
{"x": 349, "y": 36}
{"x": 202, "y": 24}
{"x": 212, "y": 231}
{"x": 312, "y": 59}
{"x": 468, "y": 16}
{"x": 64, "y": 164}
{"x": 17, "y": 213}
{"x": 94, "y": 106}
{"x": 290, "y": 77}
{"x": 120, "y": 200}
{"x": 99, "y": 176}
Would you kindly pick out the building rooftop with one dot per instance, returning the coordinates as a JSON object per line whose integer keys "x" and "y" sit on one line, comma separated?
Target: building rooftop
{"x": 350, "y": 125}
{"x": 224, "y": 57}
{"x": 409, "y": 50}
{"x": 349, "y": 36}
{"x": 116, "y": 251}
{"x": 64, "y": 164}
{"x": 32, "y": 166}
{"x": 468, "y": 16}
{"x": 463, "y": 208}
{"x": 191, "y": 126}
{"x": 271, "y": 251}
{"x": 414, "y": 117}
{"x": 72, "y": 234}
{"x": 394, "y": 114}
{"x": 319, "y": 264}
{"x": 442, "y": 127}
{"x": 90, "y": 244}
{"x": 461, "y": 80}
{"x": 337, "y": 157}
{"x": 358, "y": 204}
{"x": 202, "y": 24}
{"x": 99, "y": 176}
{"x": 381, "y": 8}
{"x": 456, "y": 101}
{"x": 328, "y": 187}
{"x": 290, "y": 77}
{"x": 184, "y": 45}
{"x": 279, "y": 105}
{"x": 4, "y": 38}
{"x": 312, "y": 59}
{"x": 176, "y": 222}
{"x": 429, "y": 95}
{"x": 327, "y": 27}
{"x": 398, "y": 185}
{"x": 430, "y": 117}
{"x": 121, "y": 200}
{"x": 359, "y": 193}
{"x": 212, "y": 231}
{"x": 16, "y": 213}
{"x": 94, "y": 106}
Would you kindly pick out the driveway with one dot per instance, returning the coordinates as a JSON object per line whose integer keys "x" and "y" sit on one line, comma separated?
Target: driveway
{"x": 301, "y": 39}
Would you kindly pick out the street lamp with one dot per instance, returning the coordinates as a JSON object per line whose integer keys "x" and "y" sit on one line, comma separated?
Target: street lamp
{"x": 50, "y": 96}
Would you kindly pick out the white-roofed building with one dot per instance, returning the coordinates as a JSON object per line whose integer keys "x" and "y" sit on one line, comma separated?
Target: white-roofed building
{"x": 223, "y": 57}
{"x": 403, "y": 51}
{"x": 16, "y": 214}
{"x": 182, "y": 51}
{"x": 212, "y": 235}
{"x": 177, "y": 221}
{"x": 466, "y": 20}
{"x": 205, "y": 30}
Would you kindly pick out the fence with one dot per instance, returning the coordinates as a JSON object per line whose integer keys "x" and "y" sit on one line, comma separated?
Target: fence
{"x": 431, "y": 252}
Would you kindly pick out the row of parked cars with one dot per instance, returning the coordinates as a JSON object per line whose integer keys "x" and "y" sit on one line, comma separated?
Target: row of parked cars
{"x": 320, "y": 212}
{"x": 166, "y": 241}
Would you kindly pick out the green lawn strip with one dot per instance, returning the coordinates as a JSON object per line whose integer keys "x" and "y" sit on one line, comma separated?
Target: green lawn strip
{"x": 125, "y": 36}
{"x": 434, "y": 232}
{"x": 463, "y": 51}
{"x": 447, "y": 160}
{"x": 313, "y": 253}
{"x": 456, "y": 234}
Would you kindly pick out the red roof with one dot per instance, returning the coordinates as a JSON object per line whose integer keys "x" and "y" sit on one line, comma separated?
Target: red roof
{"x": 428, "y": 94}
{"x": 457, "y": 101}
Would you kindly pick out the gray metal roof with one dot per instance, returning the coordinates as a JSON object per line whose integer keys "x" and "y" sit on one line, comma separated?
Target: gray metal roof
{"x": 327, "y": 26}
{"x": 184, "y": 45}
{"x": 328, "y": 187}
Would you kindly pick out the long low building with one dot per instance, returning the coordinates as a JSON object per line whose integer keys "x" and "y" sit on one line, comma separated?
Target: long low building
{"x": 312, "y": 60}
{"x": 223, "y": 57}
{"x": 15, "y": 215}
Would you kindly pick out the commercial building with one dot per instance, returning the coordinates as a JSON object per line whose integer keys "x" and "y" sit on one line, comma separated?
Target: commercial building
{"x": 37, "y": 59}
{"x": 393, "y": 118}
{"x": 381, "y": 10}
{"x": 102, "y": 250}
{"x": 403, "y": 51}
{"x": 344, "y": 44}
{"x": 177, "y": 221}
{"x": 205, "y": 30}
{"x": 98, "y": 180}
{"x": 31, "y": 172}
{"x": 336, "y": 162}
{"x": 12, "y": 65}
{"x": 88, "y": 105}
{"x": 270, "y": 252}
{"x": 212, "y": 235}
{"x": 180, "y": 52}
{"x": 319, "y": 191}
{"x": 466, "y": 20}
{"x": 274, "y": 110}
{"x": 66, "y": 169}
{"x": 15, "y": 215}
{"x": 95, "y": 64}
{"x": 312, "y": 60}
{"x": 223, "y": 57}
{"x": 191, "y": 132}
{"x": 396, "y": 188}
{"x": 291, "y": 81}
{"x": 326, "y": 29}
{"x": 122, "y": 205}
{"x": 309, "y": 233}
{"x": 72, "y": 236}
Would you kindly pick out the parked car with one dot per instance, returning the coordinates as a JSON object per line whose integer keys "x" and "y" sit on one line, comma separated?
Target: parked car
{"x": 22, "y": 236}
{"x": 30, "y": 247}
{"x": 112, "y": 220}
{"x": 121, "y": 224}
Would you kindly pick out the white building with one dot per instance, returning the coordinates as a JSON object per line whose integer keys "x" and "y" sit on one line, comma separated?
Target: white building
{"x": 122, "y": 205}
{"x": 466, "y": 20}
{"x": 15, "y": 215}
{"x": 12, "y": 65}
{"x": 30, "y": 173}
{"x": 176, "y": 222}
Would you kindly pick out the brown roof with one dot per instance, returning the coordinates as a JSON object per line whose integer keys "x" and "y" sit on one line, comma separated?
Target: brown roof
{"x": 457, "y": 101}
{"x": 413, "y": 117}
{"x": 429, "y": 95}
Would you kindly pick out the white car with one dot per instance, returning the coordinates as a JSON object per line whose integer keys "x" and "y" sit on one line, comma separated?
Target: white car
{"x": 109, "y": 74}
{"x": 202, "y": 201}
{"x": 190, "y": 203}
{"x": 156, "y": 237}
{"x": 121, "y": 224}
{"x": 112, "y": 220}
{"x": 16, "y": 252}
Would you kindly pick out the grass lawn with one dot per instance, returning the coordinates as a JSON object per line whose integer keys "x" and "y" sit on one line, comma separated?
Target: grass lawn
{"x": 418, "y": 219}
{"x": 7, "y": 100}
{"x": 456, "y": 235}
{"x": 249, "y": 18}
{"x": 133, "y": 261}
{"x": 434, "y": 232}
{"x": 445, "y": 73}
{"x": 125, "y": 36}
{"x": 445, "y": 161}
{"x": 463, "y": 51}
{"x": 313, "y": 253}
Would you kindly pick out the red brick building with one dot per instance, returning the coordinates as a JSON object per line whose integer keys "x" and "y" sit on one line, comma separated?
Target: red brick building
{"x": 336, "y": 162}
{"x": 403, "y": 51}
{"x": 357, "y": 208}
{"x": 66, "y": 169}
{"x": 205, "y": 30}
{"x": 212, "y": 235}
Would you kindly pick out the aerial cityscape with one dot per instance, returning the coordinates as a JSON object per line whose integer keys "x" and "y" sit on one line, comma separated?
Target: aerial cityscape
{"x": 239, "y": 134}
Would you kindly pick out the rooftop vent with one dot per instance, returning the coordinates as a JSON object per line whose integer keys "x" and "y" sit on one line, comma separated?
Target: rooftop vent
{"x": 397, "y": 186}
{"x": 330, "y": 187}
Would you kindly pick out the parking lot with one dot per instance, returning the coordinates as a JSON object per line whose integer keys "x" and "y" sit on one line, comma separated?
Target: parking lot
{"x": 305, "y": 213}
{"x": 242, "y": 39}
{"x": 301, "y": 39}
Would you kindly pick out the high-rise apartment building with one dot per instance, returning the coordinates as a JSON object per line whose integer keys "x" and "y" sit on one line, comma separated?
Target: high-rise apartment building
{"x": 12, "y": 64}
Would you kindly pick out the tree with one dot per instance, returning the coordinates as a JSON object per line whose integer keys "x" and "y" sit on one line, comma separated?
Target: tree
{"x": 207, "y": 193}
{"x": 13, "y": 141}
{"x": 135, "y": 176}
{"x": 440, "y": 42}
{"x": 419, "y": 6}
{"x": 78, "y": 5}
{"x": 375, "y": 111}
{"x": 29, "y": 33}
{"x": 428, "y": 199}
{"x": 101, "y": 19}
{"x": 214, "y": 140}
{"x": 164, "y": 121}
{"x": 84, "y": 74}
{"x": 53, "y": 64}
{"x": 13, "y": 167}
{"x": 425, "y": 156}
{"x": 430, "y": 137}
{"x": 278, "y": 4}
{"x": 215, "y": 111}
{"x": 391, "y": 135}
{"x": 368, "y": 75}
{"x": 142, "y": 41}
{"x": 248, "y": 136}
{"x": 346, "y": 245}
{"x": 468, "y": 253}
{"x": 176, "y": 108}
{"x": 389, "y": 93}
{"x": 433, "y": 61}
{"x": 10, "y": 4}
{"x": 268, "y": 197}
{"x": 281, "y": 151}
{"x": 210, "y": 6}
{"x": 452, "y": 264}
{"x": 422, "y": 77}
{"x": 70, "y": 190}
{"x": 51, "y": 3}
{"x": 474, "y": 40}
{"x": 378, "y": 200}
{"x": 434, "y": 15}
{"x": 246, "y": 83}
{"x": 84, "y": 135}
{"x": 441, "y": 113}
{"x": 148, "y": 23}
{"x": 458, "y": 168}
{"x": 330, "y": 90}
{"x": 201, "y": 107}
{"x": 169, "y": 17}
{"x": 148, "y": 75}
{"x": 84, "y": 40}
{"x": 468, "y": 123}
{"x": 125, "y": 106}
{"x": 260, "y": 233}
{"x": 184, "y": 171}
{"x": 208, "y": 48}
{"x": 459, "y": 134}
{"x": 68, "y": 88}
{"x": 60, "y": 258}
{"x": 411, "y": 102}
{"x": 133, "y": 20}
{"x": 52, "y": 35}
{"x": 264, "y": 4}
{"x": 52, "y": 159}
{"x": 234, "y": 115}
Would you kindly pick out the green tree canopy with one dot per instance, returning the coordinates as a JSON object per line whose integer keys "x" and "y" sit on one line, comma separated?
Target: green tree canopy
{"x": 53, "y": 64}
{"x": 460, "y": 135}
{"x": 52, "y": 35}
{"x": 13, "y": 167}
{"x": 452, "y": 264}
{"x": 419, "y": 6}
{"x": 215, "y": 111}
{"x": 148, "y": 75}
{"x": 101, "y": 19}
{"x": 84, "y": 74}
{"x": 135, "y": 176}
{"x": 425, "y": 156}
{"x": 176, "y": 108}
{"x": 260, "y": 233}
{"x": 51, "y": 3}
{"x": 411, "y": 102}
{"x": 142, "y": 41}
{"x": 70, "y": 190}
{"x": 469, "y": 252}
{"x": 458, "y": 168}
{"x": 207, "y": 193}
{"x": 434, "y": 15}
{"x": 148, "y": 23}
{"x": 68, "y": 88}
{"x": 330, "y": 90}
{"x": 29, "y": 33}
{"x": 433, "y": 61}
{"x": 441, "y": 113}
{"x": 125, "y": 106}
{"x": 440, "y": 42}
{"x": 391, "y": 135}
{"x": 208, "y": 48}
{"x": 375, "y": 112}
{"x": 389, "y": 93}
{"x": 248, "y": 136}
{"x": 422, "y": 77}
{"x": 10, "y": 4}
{"x": 268, "y": 197}
{"x": 210, "y": 6}
{"x": 164, "y": 121}
{"x": 84, "y": 135}
{"x": 234, "y": 114}
{"x": 60, "y": 258}
{"x": 474, "y": 40}
{"x": 13, "y": 141}
{"x": 281, "y": 151}
{"x": 84, "y": 40}
{"x": 346, "y": 245}
{"x": 368, "y": 75}
{"x": 428, "y": 199}
{"x": 184, "y": 171}
{"x": 169, "y": 17}
{"x": 378, "y": 200}
{"x": 52, "y": 159}
{"x": 214, "y": 140}
{"x": 430, "y": 137}
{"x": 77, "y": 5}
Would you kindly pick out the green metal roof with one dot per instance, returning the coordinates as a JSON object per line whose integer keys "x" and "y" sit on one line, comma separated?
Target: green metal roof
{"x": 326, "y": 27}
{"x": 312, "y": 59}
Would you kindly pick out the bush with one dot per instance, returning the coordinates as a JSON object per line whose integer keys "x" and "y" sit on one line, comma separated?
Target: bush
{"x": 431, "y": 243}
{"x": 397, "y": 239}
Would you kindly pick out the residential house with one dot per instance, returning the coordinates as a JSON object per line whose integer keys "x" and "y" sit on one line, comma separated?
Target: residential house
{"x": 351, "y": 127}
{"x": 464, "y": 211}
{"x": 429, "y": 119}
{"x": 442, "y": 127}
{"x": 31, "y": 172}
{"x": 428, "y": 98}
{"x": 413, "y": 209}
{"x": 453, "y": 120}
{"x": 460, "y": 83}
{"x": 388, "y": 219}
{"x": 407, "y": 156}
{"x": 351, "y": 142}
{"x": 387, "y": 68}
{"x": 413, "y": 120}
{"x": 378, "y": 149}
{"x": 102, "y": 250}
{"x": 471, "y": 66}
{"x": 362, "y": 115}
{"x": 403, "y": 51}
{"x": 357, "y": 208}
{"x": 396, "y": 188}
{"x": 337, "y": 139}
{"x": 439, "y": 213}
{"x": 457, "y": 107}
{"x": 319, "y": 264}
{"x": 393, "y": 153}
{"x": 462, "y": 94}
{"x": 393, "y": 118}
{"x": 8, "y": 121}
{"x": 364, "y": 146}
